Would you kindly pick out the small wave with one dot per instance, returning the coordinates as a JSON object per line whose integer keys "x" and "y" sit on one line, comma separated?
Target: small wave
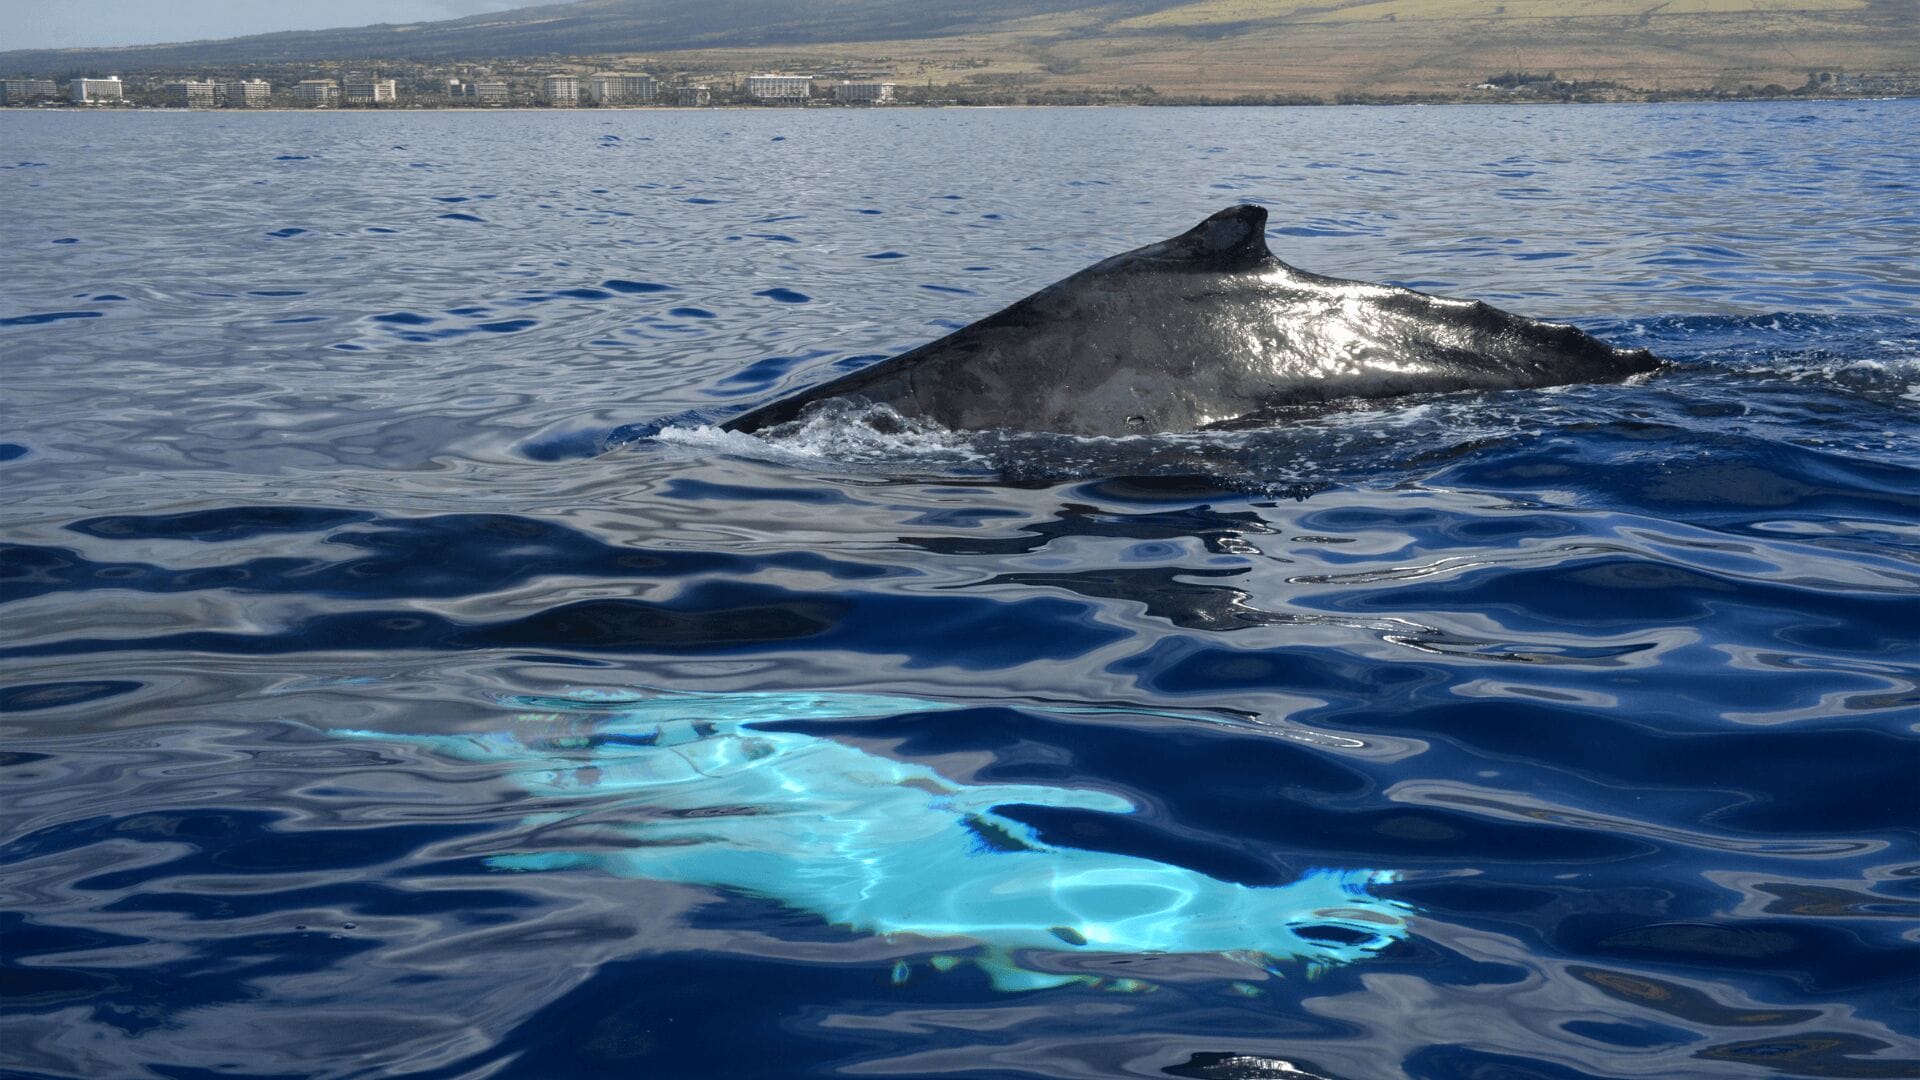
{"x": 847, "y": 433}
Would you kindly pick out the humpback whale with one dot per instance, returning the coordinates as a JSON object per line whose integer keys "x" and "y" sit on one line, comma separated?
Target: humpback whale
{"x": 691, "y": 788}
{"x": 1208, "y": 329}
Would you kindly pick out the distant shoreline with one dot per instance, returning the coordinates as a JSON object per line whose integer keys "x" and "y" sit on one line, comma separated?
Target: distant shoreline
{"x": 1665, "y": 99}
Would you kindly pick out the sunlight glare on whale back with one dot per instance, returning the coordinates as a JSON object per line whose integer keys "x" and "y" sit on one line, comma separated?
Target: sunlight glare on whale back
{"x": 695, "y": 794}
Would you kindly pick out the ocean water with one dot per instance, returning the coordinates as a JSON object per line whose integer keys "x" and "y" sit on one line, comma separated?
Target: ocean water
{"x": 401, "y": 680}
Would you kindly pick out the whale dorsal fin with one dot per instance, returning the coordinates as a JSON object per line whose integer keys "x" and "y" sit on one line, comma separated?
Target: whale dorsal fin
{"x": 1233, "y": 239}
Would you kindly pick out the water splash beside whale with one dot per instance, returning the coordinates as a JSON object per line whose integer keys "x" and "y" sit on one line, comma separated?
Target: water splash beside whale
{"x": 688, "y": 788}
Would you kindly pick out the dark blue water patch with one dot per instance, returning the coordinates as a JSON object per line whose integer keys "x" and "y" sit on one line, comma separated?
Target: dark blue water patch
{"x": 13, "y": 451}
{"x": 1842, "y": 791}
{"x": 762, "y": 374}
{"x": 446, "y": 555}
{"x": 692, "y": 313}
{"x": 777, "y": 238}
{"x": 635, "y": 288}
{"x": 380, "y": 229}
{"x": 450, "y": 198}
{"x": 564, "y": 445}
{"x": 65, "y": 240}
{"x": 462, "y": 217}
{"x": 405, "y": 318}
{"x": 720, "y": 618}
{"x": 224, "y": 525}
{"x": 584, "y": 294}
{"x": 702, "y": 202}
{"x": 292, "y": 157}
{"x": 784, "y": 295}
{"x": 954, "y": 289}
{"x": 258, "y": 292}
{"x": 1633, "y": 1036}
{"x": 31, "y": 697}
{"x": 886, "y": 255}
{"x": 1827, "y": 959}
{"x": 869, "y": 212}
{"x": 1467, "y": 1063}
{"x": 45, "y": 317}
{"x": 707, "y": 490}
{"x": 289, "y": 231}
{"x": 1309, "y": 230}
{"x": 508, "y": 326}
{"x": 856, "y": 362}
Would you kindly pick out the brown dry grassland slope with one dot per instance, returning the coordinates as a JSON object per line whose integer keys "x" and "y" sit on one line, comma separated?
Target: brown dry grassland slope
{"x": 1225, "y": 48}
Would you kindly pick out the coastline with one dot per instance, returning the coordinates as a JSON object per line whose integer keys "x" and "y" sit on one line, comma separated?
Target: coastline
{"x": 1653, "y": 98}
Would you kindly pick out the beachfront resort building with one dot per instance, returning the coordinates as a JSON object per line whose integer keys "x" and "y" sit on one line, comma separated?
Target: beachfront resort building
{"x": 561, "y": 89}
{"x": 18, "y": 91}
{"x": 369, "y": 92}
{"x": 618, "y": 88}
{"x": 317, "y": 93}
{"x": 780, "y": 87}
{"x": 86, "y": 91}
{"x": 863, "y": 93}
{"x": 246, "y": 93}
{"x": 492, "y": 91}
{"x": 191, "y": 93}
{"x": 692, "y": 95}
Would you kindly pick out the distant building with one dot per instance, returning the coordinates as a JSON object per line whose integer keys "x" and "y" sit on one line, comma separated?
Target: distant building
{"x": 246, "y": 93}
{"x": 492, "y": 91}
{"x": 368, "y": 92}
{"x": 191, "y": 93}
{"x": 616, "y": 88}
{"x": 561, "y": 89}
{"x": 318, "y": 93}
{"x": 780, "y": 87}
{"x": 692, "y": 95}
{"x": 864, "y": 93}
{"x": 86, "y": 91}
{"x": 18, "y": 91}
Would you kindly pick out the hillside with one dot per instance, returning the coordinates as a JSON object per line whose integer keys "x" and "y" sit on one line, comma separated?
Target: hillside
{"x": 593, "y": 26}
{"x": 1207, "y": 48}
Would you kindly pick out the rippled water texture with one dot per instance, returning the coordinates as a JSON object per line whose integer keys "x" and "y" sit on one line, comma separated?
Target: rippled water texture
{"x": 366, "y": 716}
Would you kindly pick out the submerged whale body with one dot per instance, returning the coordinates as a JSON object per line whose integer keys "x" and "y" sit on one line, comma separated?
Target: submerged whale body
{"x": 690, "y": 788}
{"x": 1206, "y": 329}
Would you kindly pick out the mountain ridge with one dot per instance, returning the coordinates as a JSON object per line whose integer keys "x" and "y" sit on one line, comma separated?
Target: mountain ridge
{"x": 1214, "y": 49}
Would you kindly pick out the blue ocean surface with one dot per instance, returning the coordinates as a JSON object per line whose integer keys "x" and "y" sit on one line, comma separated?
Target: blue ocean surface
{"x": 402, "y": 677}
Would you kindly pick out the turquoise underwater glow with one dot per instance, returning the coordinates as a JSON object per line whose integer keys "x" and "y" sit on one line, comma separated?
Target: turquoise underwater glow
{"x": 700, "y": 796}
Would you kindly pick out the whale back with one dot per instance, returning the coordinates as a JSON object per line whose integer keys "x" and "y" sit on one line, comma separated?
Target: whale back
{"x": 1204, "y": 329}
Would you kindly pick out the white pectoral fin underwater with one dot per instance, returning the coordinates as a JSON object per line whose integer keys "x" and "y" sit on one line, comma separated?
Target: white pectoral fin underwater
{"x": 696, "y": 793}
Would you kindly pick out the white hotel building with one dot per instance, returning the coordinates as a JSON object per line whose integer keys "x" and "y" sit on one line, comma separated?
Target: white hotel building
{"x": 561, "y": 89}
{"x": 368, "y": 92}
{"x": 246, "y": 93}
{"x": 780, "y": 87}
{"x": 86, "y": 91}
{"x": 317, "y": 93}
{"x": 864, "y": 93}
{"x": 616, "y": 88}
